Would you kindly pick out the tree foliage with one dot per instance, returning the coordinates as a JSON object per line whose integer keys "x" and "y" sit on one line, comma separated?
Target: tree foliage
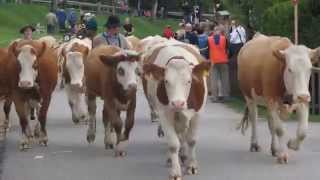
{"x": 275, "y": 17}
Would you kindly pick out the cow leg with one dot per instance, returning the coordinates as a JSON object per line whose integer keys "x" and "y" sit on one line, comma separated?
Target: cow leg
{"x": 110, "y": 137}
{"x": 92, "y": 108}
{"x": 7, "y": 109}
{"x": 254, "y": 146}
{"x": 3, "y": 126}
{"x": 23, "y": 110}
{"x": 116, "y": 124}
{"x": 192, "y": 164}
{"x": 274, "y": 147}
{"x": 74, "y": 119}
{"x": 174, "y": 146}
{"x": 43, "y": 138}
{"x": 280, "y": 131}
{"x": 303, "y": 114}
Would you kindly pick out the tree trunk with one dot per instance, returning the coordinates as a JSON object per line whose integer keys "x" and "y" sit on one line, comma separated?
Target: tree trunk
{"x": 139, "y": 7}
{"x": 155, "y": 9}
{"x": 54, "y": 4}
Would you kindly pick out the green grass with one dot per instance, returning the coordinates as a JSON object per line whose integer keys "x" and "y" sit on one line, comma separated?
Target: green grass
{"x": 13, "y": 17}
{"x": 238, "y": 104}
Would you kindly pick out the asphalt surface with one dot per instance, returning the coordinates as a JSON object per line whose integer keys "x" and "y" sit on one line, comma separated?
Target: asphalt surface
{"x": 223, "y": 153}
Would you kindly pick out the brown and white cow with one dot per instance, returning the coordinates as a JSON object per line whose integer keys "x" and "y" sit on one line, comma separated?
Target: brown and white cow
{"x": 4, "y": 92}
{"x": 112, "y": 74}
{"x": 32, "y": 76}
{"x": 271, "y": 69}
{"x": 74, "y": 53}
{"x": 174, "y": 80}
{"x": 133, "y": 42}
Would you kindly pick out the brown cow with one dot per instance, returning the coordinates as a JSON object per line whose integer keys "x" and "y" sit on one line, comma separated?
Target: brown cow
{"x": 4, "y": 91}
{"x": 32, "y": 70}
{"x": 112, "y": 74}
{"x": 175, "y": 85}
{"x": 271, "y": 69}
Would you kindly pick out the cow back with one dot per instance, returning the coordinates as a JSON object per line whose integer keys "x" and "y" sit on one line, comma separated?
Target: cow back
{"x": 259, "y": 69}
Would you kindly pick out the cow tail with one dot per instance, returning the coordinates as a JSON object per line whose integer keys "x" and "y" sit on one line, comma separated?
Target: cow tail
{"x": 244, "y": 123}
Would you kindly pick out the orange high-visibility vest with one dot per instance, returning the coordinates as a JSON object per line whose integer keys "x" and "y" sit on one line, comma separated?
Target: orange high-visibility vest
{"x": 218, "y": 53}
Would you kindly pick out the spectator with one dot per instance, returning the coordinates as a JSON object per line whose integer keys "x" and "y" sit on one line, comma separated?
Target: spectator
{"x": 220, "y": 72}
{"x": 187, "y": 9}
{"x": 190, "y": 36}
{"x": 112, "y": 35}
{"x": 27, "y": 32}
{"x": 167, "y": 32}
{"x": 52, "y": 21}
{"x": 237, "y": 37}
{"x": 128, "y": 27}
{"x": 61, "y": 15}
{"x": 72, "y": 19}
{"x": 203, "y": 43}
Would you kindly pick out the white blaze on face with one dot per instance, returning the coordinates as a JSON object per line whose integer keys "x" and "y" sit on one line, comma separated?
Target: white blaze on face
{"x": 28, "y": 73}
{"x": 78, "y": 101}
{"x": 128, "y": 74}
{"x": 75, "y": 67}
{"x": 178, "y": 78}
{"x": 297, "y": 71}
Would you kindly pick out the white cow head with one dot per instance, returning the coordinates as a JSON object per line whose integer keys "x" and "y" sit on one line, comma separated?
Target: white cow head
{"x": 74, "y": 76}
{"x": 125, "y": 66}
{"x": 177, "y": 77}
{"x": 297, "y": 72}
{"x": 27, "y": 56}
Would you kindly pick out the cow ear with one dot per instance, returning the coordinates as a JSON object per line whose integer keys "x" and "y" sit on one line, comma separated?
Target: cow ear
{"x": 111, "y": 60}
{"x": 202, "y": 69}
{"x": 280, "y": 54}
{"x": 13, "y": 48}
{"x": 315, "y": 55}
{"x": 153, "y": 70}
{"x": 43, "y": 49}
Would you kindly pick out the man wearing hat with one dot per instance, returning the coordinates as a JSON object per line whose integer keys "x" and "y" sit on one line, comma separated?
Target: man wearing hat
{"x": 27, "y": 32}
{"x": 112, "y": 35}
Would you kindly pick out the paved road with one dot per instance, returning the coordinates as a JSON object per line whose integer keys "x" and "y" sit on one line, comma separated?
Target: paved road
{"x": 222, "y": 151}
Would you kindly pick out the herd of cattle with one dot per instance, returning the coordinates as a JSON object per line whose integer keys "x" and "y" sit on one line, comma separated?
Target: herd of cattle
{"x": 272, "y": 72}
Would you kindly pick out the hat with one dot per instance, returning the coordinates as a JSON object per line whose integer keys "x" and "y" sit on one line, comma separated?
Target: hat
{"x": 26, "y": 27}
{"x": 113, "y": 21}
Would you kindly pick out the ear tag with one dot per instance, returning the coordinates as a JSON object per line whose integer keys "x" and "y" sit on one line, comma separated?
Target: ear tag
{"x": 206, "y": 73}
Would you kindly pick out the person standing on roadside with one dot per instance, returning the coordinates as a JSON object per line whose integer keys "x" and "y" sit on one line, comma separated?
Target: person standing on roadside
{"x": 237, "y": 37}
{"x": 220, "y": 73}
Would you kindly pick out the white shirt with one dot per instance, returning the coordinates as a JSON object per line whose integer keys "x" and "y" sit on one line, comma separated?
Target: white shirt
{"x": 238, "y": 35}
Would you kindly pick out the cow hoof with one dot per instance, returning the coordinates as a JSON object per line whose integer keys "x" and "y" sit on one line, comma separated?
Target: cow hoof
{"x": 255, "y": 147}
{"x": 154, "y": 118}
{"x": 75, "y": 120}
{"x": 24, "y": 146}
{"x": 192, "y": 170}
{"x": 169, "y": 162}
{"x": 292, "y": 144}
{"x": 175, "y": 178}
{"x": 91, "y": 136}
{"x": 283, "y": 158}
{"x": 109, "y": 146}
{"x": 274, "y": 152}
{"x": 160, "y": 132}
{"x": 121, "y": 154}
{"x": 183, "y": 159}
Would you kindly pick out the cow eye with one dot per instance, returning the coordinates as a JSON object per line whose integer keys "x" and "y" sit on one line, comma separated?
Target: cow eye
{"x": 290, "y": 70}
{"x": 121, "y": 71}
{"x": 189, "y": 82}
{"x": 166, "y": 81}
{"x": 137, "y": 71}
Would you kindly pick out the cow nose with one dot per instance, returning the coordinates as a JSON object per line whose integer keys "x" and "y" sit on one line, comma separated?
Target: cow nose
{"x": 178, "y": 104}
{"x": 132, "y": 86}
{"x": 25, "y": 84}
{"x": 304, "y": 98}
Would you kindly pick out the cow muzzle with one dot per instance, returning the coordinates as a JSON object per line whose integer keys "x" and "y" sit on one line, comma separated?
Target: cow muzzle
{"x": 25, "y": 84}
{"x": 178, "y": 105}
{"x": 77, "y": 88}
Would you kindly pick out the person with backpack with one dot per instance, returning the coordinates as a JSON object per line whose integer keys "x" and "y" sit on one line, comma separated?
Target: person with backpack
{"x": 203, "y": 42}
{"x": 220, "y": 73}
{"x": 237, "y": 37}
